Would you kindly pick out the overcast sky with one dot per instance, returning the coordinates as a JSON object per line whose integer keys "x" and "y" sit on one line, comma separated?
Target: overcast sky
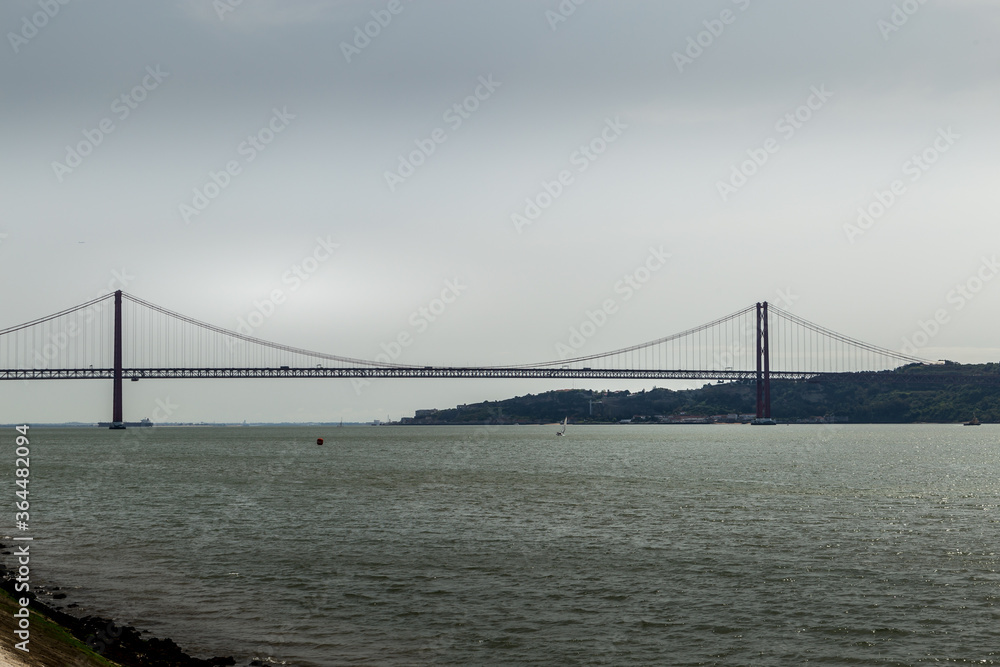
{"x": 199, "y": 151}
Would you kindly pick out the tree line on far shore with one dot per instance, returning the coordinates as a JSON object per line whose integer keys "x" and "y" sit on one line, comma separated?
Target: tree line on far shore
{"x": 943, "y": 394}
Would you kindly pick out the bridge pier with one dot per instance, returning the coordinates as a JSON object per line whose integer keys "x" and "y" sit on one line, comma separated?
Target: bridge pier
{"x": 763, "y": 364}
{"x": 117, "y": 422}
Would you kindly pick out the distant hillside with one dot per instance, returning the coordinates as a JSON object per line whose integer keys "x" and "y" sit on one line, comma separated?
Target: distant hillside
{"x": 954, "y": 394}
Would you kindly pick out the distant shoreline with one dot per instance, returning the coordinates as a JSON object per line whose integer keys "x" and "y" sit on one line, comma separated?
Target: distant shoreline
{"x": 181, "y": 424}
{"x": 781, "y": 422}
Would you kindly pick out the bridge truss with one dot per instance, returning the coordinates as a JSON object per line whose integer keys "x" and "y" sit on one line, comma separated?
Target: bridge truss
{"x": 120, "y": 337}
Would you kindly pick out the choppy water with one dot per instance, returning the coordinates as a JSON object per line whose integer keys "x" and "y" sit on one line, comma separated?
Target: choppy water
{"x": 729, "y": 545}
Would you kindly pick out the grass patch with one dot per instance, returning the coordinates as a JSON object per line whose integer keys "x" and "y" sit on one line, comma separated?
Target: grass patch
{"x": 48, "y": 638}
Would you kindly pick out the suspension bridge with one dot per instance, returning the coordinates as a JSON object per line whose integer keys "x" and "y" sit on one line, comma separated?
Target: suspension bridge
{"x": 120, "y": 337}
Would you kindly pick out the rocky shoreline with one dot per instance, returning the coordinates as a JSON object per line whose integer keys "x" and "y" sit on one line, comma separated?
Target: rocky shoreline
{"x": 120, "y": 644}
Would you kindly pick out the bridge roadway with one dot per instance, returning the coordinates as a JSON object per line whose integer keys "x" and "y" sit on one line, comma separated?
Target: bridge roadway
{"x": 135, "y": 374}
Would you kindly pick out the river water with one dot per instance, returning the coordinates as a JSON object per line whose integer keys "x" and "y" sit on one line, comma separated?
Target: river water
{"x": 669, "y": 545}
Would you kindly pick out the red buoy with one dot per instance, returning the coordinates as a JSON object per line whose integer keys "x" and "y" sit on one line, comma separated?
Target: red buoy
{"x": 319, "y": 441}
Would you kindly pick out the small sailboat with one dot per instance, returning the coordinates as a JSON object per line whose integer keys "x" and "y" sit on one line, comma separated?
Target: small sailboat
{"x": 563, "y": 431}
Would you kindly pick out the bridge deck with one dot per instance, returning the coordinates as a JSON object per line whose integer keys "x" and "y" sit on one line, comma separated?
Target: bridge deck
{"x": 136, "y": 374}
{"x": 387, "y": 372}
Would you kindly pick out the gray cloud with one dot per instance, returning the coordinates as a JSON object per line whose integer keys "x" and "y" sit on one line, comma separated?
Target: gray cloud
{"x": 325, "y": 174}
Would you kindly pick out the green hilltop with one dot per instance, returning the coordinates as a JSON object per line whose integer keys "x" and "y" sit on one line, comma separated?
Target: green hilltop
{"x": 945, "y": 393}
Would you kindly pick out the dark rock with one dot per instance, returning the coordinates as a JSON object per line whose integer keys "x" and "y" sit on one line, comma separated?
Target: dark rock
{"x": 121, "y": 644}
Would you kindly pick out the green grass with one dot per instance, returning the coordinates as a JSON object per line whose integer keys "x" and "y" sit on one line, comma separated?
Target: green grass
{"x": 48, "y": 633}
